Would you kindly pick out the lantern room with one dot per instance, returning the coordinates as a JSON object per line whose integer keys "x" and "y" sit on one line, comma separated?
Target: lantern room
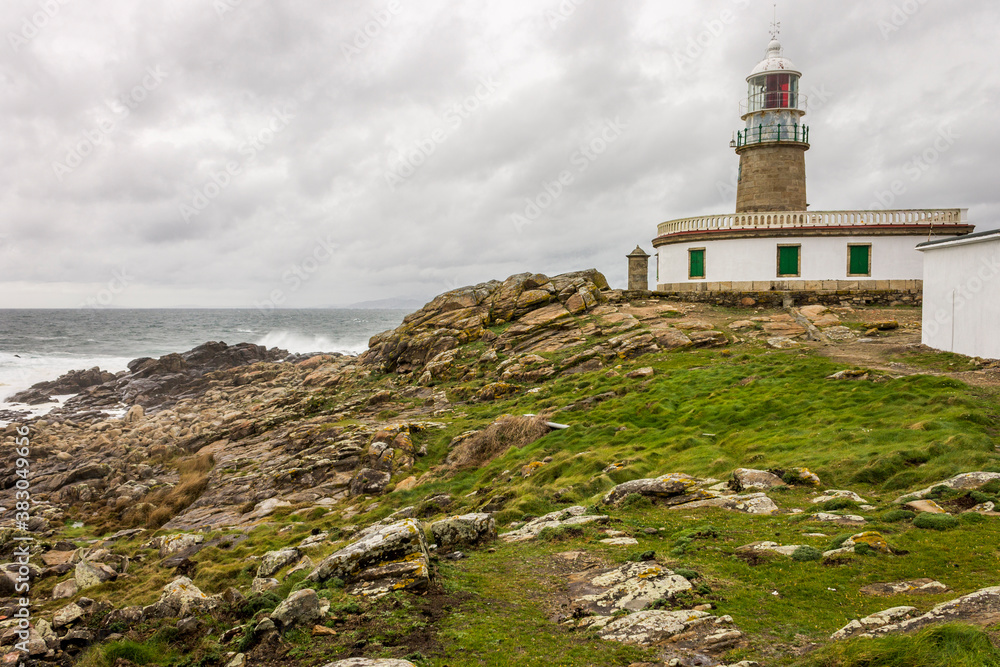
{"x": 773, "y": 84}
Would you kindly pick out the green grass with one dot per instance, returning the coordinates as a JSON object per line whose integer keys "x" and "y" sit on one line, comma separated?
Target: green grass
{"x": 944, "y": 646}
{"x": 695, "y": 415}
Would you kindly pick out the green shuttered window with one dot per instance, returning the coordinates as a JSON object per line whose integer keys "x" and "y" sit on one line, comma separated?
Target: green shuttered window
{"x": 859, "y": 259}
{"x": 788, "y": 260}
{"x": 696, "y": 263}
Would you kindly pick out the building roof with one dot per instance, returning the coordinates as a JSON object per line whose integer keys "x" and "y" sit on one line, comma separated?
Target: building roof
{"x": 774, "y": 61}
{"x": 638, "y": 252}
{"x": 976, "y": 237}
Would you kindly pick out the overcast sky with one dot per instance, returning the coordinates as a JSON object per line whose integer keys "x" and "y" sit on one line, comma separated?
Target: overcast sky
{"x": 321, "y": 153}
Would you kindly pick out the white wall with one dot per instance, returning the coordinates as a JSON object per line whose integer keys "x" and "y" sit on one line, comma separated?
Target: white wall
{"x": 962, "y": 297}
{"x": 822, "y": 258}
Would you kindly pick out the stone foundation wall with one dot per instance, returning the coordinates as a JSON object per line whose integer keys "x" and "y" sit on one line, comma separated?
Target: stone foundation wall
{"x": 781, "y": 298}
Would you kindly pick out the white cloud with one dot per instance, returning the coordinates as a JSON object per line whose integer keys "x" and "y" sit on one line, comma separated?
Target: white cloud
{"x": 672, "y": 72}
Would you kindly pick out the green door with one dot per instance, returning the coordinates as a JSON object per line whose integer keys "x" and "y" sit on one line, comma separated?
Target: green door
{"x": 696, "y": 263}
{"x": 788, "y": 260}
{"x": 859, "y": 260}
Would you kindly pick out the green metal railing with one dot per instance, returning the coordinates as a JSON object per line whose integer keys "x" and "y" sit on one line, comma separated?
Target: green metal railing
{"x": 772, "y": 133}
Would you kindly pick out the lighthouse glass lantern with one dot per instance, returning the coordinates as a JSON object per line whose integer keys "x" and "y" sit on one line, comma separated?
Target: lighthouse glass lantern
{"x": 773, "y": 108}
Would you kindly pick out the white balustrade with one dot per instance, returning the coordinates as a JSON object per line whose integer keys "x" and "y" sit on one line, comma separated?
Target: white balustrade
{"x": 791, "y": 219}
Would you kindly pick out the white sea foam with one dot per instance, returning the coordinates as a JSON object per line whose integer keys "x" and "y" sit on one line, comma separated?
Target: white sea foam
{"x": 303, "y": 343}
{"x": 18, "y": 372}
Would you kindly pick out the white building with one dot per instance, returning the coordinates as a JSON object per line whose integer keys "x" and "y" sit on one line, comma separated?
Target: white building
{"x": 772, "y": 242}
{"x": 962, "y": 294}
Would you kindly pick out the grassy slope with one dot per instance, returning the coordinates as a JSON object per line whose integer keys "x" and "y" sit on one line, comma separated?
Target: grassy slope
{"x": 703, "y": 413}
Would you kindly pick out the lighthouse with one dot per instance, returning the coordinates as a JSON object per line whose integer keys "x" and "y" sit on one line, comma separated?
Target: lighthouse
{"x": 773, "y": 248}
{"x": 773, "y": 142}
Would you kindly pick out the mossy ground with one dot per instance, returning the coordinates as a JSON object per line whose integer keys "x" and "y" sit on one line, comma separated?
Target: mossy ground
{"x": 703, "y": 413}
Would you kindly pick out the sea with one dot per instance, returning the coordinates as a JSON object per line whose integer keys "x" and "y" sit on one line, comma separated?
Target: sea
{"x": 39, "y": 345}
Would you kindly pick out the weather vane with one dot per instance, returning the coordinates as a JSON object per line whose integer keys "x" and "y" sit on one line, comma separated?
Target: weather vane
{"x": 775, "y": 26}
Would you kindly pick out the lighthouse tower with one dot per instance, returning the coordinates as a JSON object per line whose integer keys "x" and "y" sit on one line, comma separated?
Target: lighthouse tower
{"x": 773, "y": 143}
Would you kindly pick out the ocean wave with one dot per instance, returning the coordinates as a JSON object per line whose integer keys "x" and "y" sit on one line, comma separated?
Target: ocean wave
{"x": 304, "y": 343}
{"x": 20, "y": 371}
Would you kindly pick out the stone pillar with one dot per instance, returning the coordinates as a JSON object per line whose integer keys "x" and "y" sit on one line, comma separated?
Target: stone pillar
{"x": 638, "y": 270}
{"x": 772, "y": 178}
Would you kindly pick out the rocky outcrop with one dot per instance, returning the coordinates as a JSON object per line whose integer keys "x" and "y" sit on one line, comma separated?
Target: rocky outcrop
{"x": 571, "y": 516}
{"x": 180, "y": 598}
{"x": 630, "y": 587}
{"x": 159, "y": 383}
{"x": 300, "y": 608}
{"x": 464, "y": 530}
{"x": 979, "y": 608}
{"x": 747, "y": 478}
{"x": 681, "y": 491}
{"x": 923, "y": 586}
{"x": 463, "y": 315}
{"x": 965, "y": 482}
{"x": 382, "y": 559}
{"x": 71, "y": 383}
{"x": 672, "y": 486}
{"x": 275, "y": 560}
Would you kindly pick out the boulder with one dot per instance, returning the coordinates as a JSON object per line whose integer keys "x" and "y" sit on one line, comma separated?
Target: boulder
{"x": 67, "y": 615}
{"x": 629, "y": 587}
{"x": 180, "y": 598}
{"x": 964, "y": 482}
{"x": 773, "y": 547}
{"x": 782, "y": 342}
{"x": 300, "y": 608}
{"x": 842, "y": 519}
{"x": 751, "y": 503}
{"x": 671, "y": 485}
{"x": 747, "y": 478}
{"x": 65, "y": 589}
{"x": 464, "y": 530}
{"x": 979, "y": 608}
{"x": 380, "y": 560}
{"x": 834, "y": 493}
{"x": 571, "y": 516}
{"x": 928, "y": 506}
{"x": 275, "y": 560}
{"x": 263, "y": 584}
{"x": 921, "y": 586}
{"x": 670, "y": 338}
{"x": 369, "y": 482}
{"x": 171, "y": 544}
{"x": 89, "y": 574}
{"x": 686, "y": 632}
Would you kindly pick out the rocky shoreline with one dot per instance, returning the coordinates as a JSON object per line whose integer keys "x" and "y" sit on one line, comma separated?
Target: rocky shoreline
{"x": 218, "y": 441}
